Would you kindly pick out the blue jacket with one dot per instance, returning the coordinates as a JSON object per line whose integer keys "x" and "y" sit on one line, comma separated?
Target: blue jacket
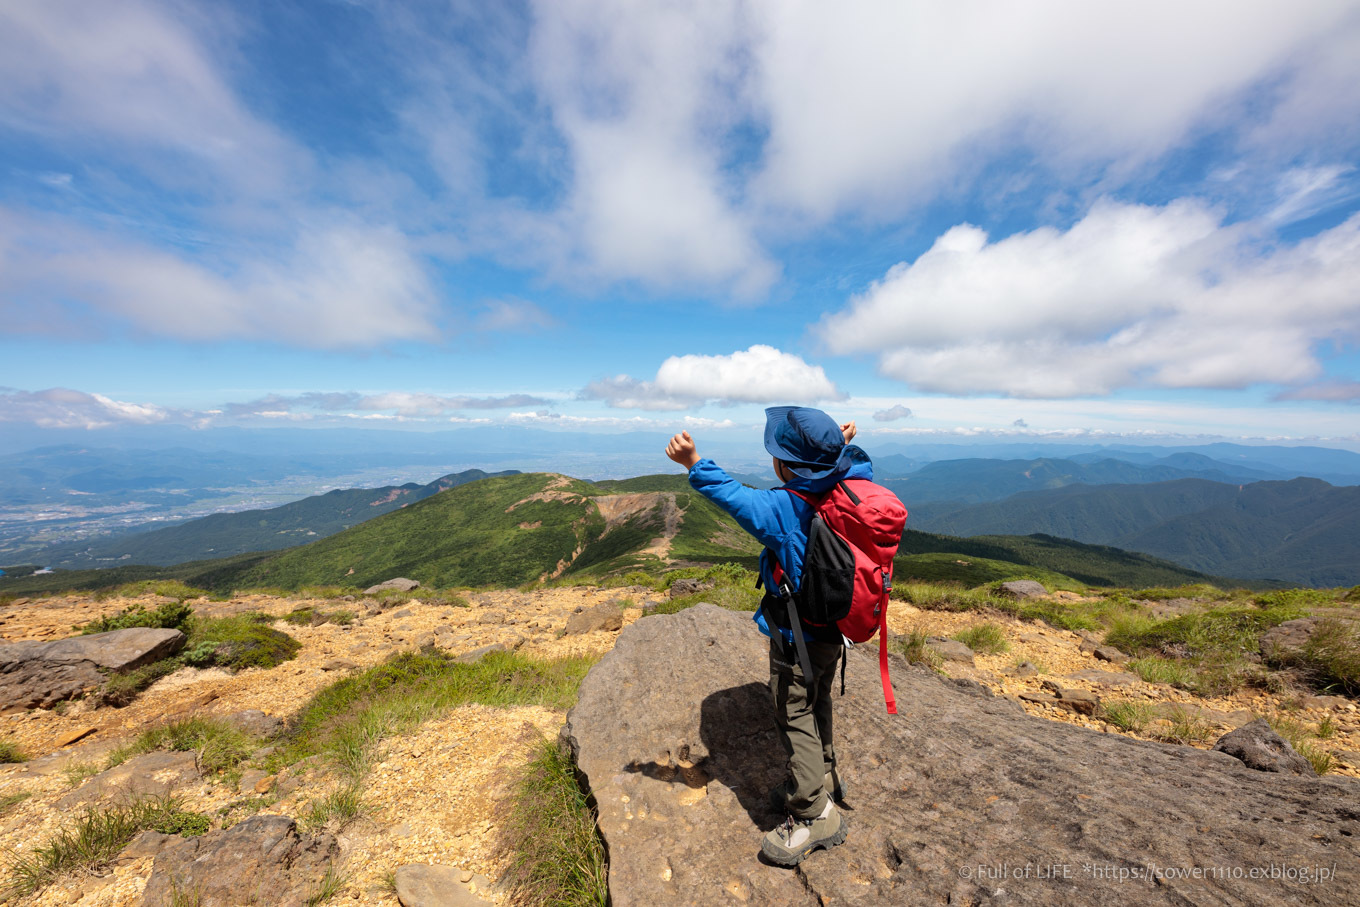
{"x": 777, "y": 519}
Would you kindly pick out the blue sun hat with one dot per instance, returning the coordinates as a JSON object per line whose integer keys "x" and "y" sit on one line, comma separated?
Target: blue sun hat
{"x": 807, "y": 439}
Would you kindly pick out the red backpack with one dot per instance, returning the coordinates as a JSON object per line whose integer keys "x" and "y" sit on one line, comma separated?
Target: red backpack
{"x": 847, "y": 570}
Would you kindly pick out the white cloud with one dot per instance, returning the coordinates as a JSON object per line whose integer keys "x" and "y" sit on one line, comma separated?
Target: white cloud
{"x": 138, "y": 74}
{"x": 761, "y": 374}
{"x": 341, "y": 285}
{"x": 61, "y": 407}
{"x": 386, "y": 405}
{"x": 642, "y": 95}
{"x": 1129, "y": 296}
{"x": 513, "y": 315}
{"x": 871, "y": 104}
{"x": 892, "y": 413}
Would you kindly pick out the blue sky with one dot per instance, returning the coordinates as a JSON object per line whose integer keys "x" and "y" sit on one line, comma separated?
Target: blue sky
{"x": 1059, "y": 219}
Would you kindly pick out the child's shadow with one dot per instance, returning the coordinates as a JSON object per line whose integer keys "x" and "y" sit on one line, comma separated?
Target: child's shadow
{"x": 737, "y": 728}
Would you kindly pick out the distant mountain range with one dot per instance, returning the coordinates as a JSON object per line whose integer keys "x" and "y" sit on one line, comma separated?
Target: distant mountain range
{"x": 975, "y": 480}
{"x": 227, "y": 534}
{"x": 1302, "y": 531}
{"x": 521, "y": 528}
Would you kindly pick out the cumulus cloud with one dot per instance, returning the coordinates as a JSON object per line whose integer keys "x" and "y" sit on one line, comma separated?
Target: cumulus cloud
{"x": 892, "y": 413}
{"x": 761, "y": 374}
{"x": 1019, "y": 423}
{"x": 1128, "y": 296}
{"x": 342, "y": 285}
{"x": 61, "y": 407}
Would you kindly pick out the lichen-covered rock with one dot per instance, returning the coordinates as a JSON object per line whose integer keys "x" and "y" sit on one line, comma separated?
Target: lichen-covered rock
{"x": 604, "y": 616}
{"x": 674, "y": 733}
{"x": 950, "y": 649}
{"x": 400, "y": 583}
{"x": 1260, "y": 747}
{"x": 262, "y": 860}
{"x": 1023, "y": 588}
{"x": 41, "y": 674}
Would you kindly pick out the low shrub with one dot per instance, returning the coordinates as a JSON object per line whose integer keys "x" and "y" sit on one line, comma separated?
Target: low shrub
{"x": 1299, "y": 599}
{"x": 549, "y": 840}
{"x": 170, "y": 588}
{"x": 240, "y": 641}
{"x": 170, "y": 616}
{"x": 1193, "y": 590}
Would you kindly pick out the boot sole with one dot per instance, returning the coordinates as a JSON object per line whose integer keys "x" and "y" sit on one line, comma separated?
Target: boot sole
{"x": 786, "y": 860}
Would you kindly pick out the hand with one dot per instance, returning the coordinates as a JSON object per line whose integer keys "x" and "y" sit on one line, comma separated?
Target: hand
{"x": 849, "y": 430}
{"x": 681, "y": 450}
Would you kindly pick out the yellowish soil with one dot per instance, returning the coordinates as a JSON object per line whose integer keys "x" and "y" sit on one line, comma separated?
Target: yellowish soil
{"x": 434, "y": 797}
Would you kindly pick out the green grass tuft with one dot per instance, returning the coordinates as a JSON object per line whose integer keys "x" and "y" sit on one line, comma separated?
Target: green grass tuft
{"x": 9, "y": 801}
{"x": 1185, "y": 728}
{"x": 10, "y": 752}
{"x": 219, "y": 746}
{"x": 169, "y": 588}
{"x": 330, "y": 885}
{"x": 1330, "y": 659}
{"x": 90, "y": 841}
{"x": 1127, "y": 716}
{"x": 988, "y": 639}
{"x": 347, "y": 719}
{"x": 1155, "y": 669}
{"x": 337, "y": 809}
{"x": 915, "y": 650}
{"x": 553, "y": 850}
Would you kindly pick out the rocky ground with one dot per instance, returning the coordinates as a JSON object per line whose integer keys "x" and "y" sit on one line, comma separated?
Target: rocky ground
{"x": 433, "y": 797}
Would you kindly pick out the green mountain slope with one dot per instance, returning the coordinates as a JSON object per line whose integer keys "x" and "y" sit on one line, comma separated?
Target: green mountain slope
{"x": 1300, "y": 531}
{"x": 518, "y": 529}
{"x": 972, "y": 481}
{"x": 229, "y": 534}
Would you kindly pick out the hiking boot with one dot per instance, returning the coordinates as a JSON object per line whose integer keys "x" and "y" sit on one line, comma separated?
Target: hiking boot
{"x": 831, "y": 782}
{"x": 793, "y": 840}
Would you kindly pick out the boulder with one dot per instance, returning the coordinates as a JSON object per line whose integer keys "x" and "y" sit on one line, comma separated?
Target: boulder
{"x": 262, "y": 860}
{"x": 674, "y": 737}
{"x": 255, "y": 723}
{"x": 682, "y": 587}
{"x": 401, "y": 584}
{"x": 422, "y": 885}
{"x": 149, "y": 775}
{"x": 1023, "y": 588}
{"x": 604, "y": 616}
{"x": 41, "y": 674}
{"x": 950, "y": 649}
{"x": 1260, "y": 748}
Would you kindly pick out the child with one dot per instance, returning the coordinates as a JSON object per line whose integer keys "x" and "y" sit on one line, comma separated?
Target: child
{"x": 811, "y": 454}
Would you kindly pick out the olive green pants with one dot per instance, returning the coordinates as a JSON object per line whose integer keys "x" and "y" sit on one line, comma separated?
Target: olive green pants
{"x": 803, "y": 715}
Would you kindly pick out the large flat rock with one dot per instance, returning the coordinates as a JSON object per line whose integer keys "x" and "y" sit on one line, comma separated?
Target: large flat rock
{"x": 960, "y": 799}
{"x": 40, "y": 674}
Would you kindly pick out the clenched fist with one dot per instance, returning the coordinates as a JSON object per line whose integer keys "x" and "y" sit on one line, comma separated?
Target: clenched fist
{"x": 681, "y": 450}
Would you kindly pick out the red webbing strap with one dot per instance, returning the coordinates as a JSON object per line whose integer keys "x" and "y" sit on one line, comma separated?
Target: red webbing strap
{"x": 888, "y": 697}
